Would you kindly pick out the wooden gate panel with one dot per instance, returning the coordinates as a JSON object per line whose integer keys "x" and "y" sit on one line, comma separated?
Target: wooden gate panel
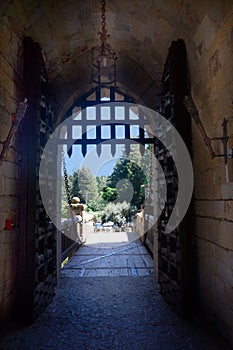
{"x": 174, "y": 248}
{"x": 45, "y": 231}
{"x": 37, "y": 253}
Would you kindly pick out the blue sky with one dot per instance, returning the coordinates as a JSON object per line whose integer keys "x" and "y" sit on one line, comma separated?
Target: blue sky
{"x": 99, "y": 166}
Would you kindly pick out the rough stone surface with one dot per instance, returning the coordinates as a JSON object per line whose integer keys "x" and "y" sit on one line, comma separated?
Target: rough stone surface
{"x": 9, "y": 195}
{"x": 104, "y": 306}
{"x": 110, "y": 313}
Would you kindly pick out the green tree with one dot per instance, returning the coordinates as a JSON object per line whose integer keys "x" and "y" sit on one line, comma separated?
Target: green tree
{"x": 109, "y": 194}
{"x": 146, "y": 163}
{"x": 101, "y": 181}
{"x": 97, "y": 205}
{"x": 126, "y": 169}
{"x": 135, "y": 154}
{"x": 84, "y": 186}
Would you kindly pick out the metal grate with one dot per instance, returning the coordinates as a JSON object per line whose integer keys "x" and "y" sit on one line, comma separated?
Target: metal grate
{"x": 97, "y": 114}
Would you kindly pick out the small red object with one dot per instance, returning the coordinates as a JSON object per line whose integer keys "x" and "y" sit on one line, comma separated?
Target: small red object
{"x": 12, "y": 117}
{"x": 9, "y": 225}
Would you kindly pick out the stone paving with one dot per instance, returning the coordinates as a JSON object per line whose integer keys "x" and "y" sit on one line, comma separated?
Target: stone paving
{"x": 110, "y": 254}
{"x": 110, "y": 312}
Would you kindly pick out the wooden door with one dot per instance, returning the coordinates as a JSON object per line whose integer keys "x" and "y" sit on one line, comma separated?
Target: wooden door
{"x": 37, "y": 250}
{"x": 175, "y": 248}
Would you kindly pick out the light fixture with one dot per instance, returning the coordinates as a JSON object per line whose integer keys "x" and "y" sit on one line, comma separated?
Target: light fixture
{"x": 103, "y": 57}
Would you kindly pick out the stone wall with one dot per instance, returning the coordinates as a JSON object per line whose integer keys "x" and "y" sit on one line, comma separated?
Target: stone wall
{"x": 10, "y": 169}
{"x": 212, "y": 90}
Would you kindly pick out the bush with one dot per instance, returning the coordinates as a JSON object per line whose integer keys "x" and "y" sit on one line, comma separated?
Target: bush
{"x": 119, "y": 213}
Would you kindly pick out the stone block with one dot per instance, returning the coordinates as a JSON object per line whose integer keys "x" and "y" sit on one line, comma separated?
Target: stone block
{"x": 206, "y": 250}
{"x": 225, "y": 77}
{"x": 140, "y": 84}
{"x": 10, "y": 247}
{"x": 10, "y": 103}
{"x": 218, "y": 288}
{"x": 8, "y": 272}
{"x": 224, "y": 273}
{"x": 225, "y": 51}
{"x": 9, "y": 186}
{"x": 227, "y": 317}
{"x": 224, "y": 103}
{"x": 206, "y": 32}
{"x": 7, "y": 101}
{"x": 208, "y": 190}
{"x": 9, "y": 290}
{"x": 225, "y": 234}
{"x": 3, "y": 216}
{"x": 8, "y": 170}
{"x": 1, "y": 185}
{"x": 4, "y": 272}
{"x": 219, "y": 209}
{"x": 5, "y": 127}
{"x": 6, "y": 82}
{"x": 207, "y": 229}
{"x": 224, "y": 256}
{"x": 213, "y": 209}
{"x": 228, "y": 296}
{"x": 14, "y": 205}
{"x": 5, "y": 66}
{"x": 200, "y": 243}
{"x": 4, "y": 203}
{"x": 206, "y": 287}
{"x": 12, "y": 154}
{"x": 223, "y": 317}
{"x": 209, "y": 250}
{"x": 229, "y": 210}
{"x": 5, "y": 37}
{"x": 227, "y": 190}
{"x": 208, "y": 185}
{"x": 6, "y": 248}
{"x": 214, "y": 64}
{"x": 5, "y": 116}
{"x": 7, "y": 241}
{"x": 207, "y": 266}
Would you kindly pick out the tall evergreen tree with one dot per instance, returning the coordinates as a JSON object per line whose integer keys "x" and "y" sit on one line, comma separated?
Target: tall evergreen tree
{"x": 101, "y": 181}
{"x": 126, "y": 169}
{"x": 84, "y": 185}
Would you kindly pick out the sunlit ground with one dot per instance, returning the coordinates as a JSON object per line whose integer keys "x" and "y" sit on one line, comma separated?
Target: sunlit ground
{"x": 107, "y": 238}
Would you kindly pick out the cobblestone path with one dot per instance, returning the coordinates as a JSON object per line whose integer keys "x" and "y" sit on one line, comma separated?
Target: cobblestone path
{"x": 110, "y": 312}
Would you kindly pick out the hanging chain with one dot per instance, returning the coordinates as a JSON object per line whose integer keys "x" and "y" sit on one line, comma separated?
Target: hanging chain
{"x": 103, "y": 34}
{"x": 103, "y": 15}
{"x": 66, "y": 180}
{"x": 105, "y": 48}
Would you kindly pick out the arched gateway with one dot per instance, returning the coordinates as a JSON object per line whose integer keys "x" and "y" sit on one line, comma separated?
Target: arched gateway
{"x": 114, "y": 119}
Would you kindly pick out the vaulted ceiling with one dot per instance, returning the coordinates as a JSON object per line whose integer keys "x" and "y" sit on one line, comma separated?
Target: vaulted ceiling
{"x": 141, "y": 32}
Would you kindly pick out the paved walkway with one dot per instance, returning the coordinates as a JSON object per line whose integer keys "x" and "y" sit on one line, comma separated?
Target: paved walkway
{"x": 110, "y": 254}
{"x": 110, "y": 302}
